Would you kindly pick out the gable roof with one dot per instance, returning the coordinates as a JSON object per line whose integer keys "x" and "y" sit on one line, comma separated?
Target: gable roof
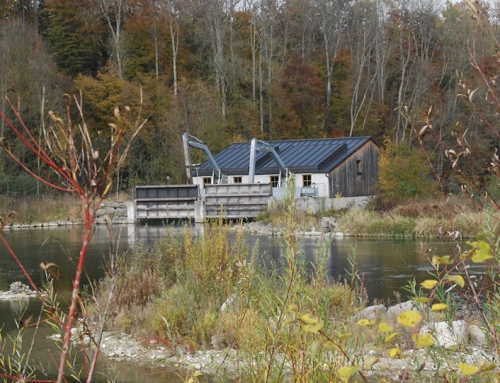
{"x": 299, "y": 156}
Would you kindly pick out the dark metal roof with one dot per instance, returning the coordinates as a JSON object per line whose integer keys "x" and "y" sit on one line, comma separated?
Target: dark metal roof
{"x": 299, "y": 156}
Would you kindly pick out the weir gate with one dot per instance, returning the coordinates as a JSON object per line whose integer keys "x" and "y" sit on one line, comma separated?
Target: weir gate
{"x": 230, "y": 201}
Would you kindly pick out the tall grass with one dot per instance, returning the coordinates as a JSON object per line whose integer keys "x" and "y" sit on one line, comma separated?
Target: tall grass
{"x": 400, "y": 222}
{"x": 41, "y": 209}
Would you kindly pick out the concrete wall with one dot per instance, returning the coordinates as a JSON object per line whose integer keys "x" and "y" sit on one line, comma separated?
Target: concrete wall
{"x": 116, "y": 212}
{"x": 319, "y": 181}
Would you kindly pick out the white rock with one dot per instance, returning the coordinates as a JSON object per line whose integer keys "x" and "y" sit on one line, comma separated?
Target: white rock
{"x": 369, "y": 313}
{"x": 477, "y": 335}
{"x": 461, "y": 331}
{"x": 445, "y": 335}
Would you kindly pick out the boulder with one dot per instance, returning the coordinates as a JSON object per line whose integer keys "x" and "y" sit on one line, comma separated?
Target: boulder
{"x": 370, "y": 313}
{"x": 477, "y": 335}
{"x": 445, "y": 335}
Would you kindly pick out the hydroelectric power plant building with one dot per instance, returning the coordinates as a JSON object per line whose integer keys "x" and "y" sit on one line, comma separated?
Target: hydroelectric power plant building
{"x": 241, "y": 180}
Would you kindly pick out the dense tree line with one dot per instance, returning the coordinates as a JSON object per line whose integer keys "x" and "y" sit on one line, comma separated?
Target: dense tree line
{"x": 230, "y": 70}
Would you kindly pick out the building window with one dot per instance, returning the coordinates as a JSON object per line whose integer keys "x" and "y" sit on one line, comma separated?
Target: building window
{"x": 207, "y": 181}
{"x": 274, "y": 181}
{"x": 306, "y": 180}
{"x": 236, "y": 180}
{"x": 358, "y": 167}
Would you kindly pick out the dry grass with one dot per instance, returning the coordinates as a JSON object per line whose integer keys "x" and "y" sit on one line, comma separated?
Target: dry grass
{"x": 417, "y": 219}
{"x": 43, "y": 209}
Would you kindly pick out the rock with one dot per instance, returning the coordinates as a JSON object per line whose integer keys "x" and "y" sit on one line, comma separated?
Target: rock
{"x": 19, "y": 288}
{"x": 329, "y": 224}
{"x": 228, "y": 303}
{"x": 369, "y": 313}
{"x": 461, "y": 331}
{"x": 477, "y": 335}
{"x": 445, "y": 335}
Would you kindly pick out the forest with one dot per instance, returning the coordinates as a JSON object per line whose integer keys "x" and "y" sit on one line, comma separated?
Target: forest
{"x": 230, "y": 70}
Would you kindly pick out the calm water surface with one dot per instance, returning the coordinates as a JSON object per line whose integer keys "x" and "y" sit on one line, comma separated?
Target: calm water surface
{"x": 384, "y": 265}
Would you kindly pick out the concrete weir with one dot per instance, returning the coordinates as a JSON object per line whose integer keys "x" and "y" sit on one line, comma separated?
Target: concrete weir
{"x": 230, "y": 201}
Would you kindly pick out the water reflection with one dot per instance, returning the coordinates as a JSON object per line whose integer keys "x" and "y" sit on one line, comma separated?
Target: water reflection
{"x": 384, "y": 265}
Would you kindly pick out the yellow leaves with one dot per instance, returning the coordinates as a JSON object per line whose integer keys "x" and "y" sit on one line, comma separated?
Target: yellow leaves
{"x": 314, "y": 328}
{"x": 311, "y": 323}
{"x": 458, "y": 279}
{"x": 195, "y": 376}
{"x": 366, "y": 322}
{"x": 343, "y": 336}
{"x": 486, "y": 365}
{"x": 395, "y": 353}
{"x": 429, "y": 284}
{"x": 480, "y": 252}
{"x": 390, "y": 337}
{"x": 422, "y": 341}
{"x": 384, "y": 327}
{"x": 468, "y": 369}
{"x": 421, "y": 299}
{"x": 409, "y": 318}
{"x": 346, "y": 372}
{"x": 439, "y": 306}
{"x": 309, "y": 318}
{"x": 369, "y": 362}
{"x": 445, "y": 260}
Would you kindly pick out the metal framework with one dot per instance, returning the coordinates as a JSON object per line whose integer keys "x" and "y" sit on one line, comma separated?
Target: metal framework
{"x": 197, "y": 143}
{"x": 266, "y": 148}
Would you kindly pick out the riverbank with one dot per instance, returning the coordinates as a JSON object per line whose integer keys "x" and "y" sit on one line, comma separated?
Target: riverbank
{"x": 455, "y": 345}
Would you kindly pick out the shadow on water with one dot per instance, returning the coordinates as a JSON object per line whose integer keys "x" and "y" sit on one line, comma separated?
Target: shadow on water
{"x": 384, "y": 266}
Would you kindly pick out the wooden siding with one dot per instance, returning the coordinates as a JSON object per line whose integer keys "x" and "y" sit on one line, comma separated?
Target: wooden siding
{"x": 345, "y": 180}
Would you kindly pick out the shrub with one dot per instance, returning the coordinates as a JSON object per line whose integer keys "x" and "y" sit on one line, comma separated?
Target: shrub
{"x": 404, "y": 173}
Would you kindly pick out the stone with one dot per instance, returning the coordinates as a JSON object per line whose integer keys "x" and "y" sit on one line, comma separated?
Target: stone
{"x": 461, "y": 331}
{"x": 369, "y": 313}
{"x": 445, "y": 335}
{"x": 477, "y": 335}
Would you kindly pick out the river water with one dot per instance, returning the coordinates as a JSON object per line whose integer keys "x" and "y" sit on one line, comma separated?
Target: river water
{"x": 383, "y": 265}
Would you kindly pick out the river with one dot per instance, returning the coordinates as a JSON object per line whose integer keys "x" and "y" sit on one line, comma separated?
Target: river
{"x": 383, "y": 265}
